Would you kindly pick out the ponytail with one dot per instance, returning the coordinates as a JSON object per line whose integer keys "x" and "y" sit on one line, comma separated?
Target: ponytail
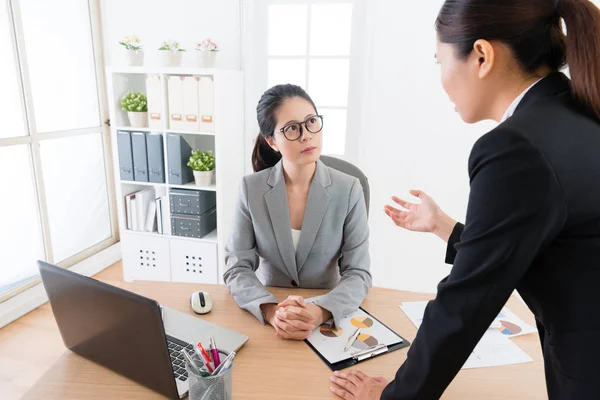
{"x": 533, "y": 31}
{"x": 263, "y": 156}
{"x": 582, "y": 20}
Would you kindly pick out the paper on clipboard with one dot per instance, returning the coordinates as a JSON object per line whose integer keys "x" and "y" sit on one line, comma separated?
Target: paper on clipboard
{"x": 373, "y": 339}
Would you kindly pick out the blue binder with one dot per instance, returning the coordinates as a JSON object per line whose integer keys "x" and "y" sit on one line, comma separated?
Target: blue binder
{"x": 178, "y": 154}
{"x": 125, "y": 155}
{"x": 156, "y": 159}
{"x": 140, "y": 156}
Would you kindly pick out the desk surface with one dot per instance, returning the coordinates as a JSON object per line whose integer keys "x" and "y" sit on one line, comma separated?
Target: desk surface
{"x": 270, "y": 368}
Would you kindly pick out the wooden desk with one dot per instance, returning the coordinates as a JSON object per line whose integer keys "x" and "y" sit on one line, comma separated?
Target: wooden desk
{"x": 270, "y": 368}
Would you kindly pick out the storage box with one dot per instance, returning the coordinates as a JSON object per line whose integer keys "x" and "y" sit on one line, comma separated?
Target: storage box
{"x": 191, "y": 202}
{"x": 196, "y": 226}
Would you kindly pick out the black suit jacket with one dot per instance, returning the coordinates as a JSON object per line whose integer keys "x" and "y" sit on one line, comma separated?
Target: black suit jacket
{"x": 533, "y": 223}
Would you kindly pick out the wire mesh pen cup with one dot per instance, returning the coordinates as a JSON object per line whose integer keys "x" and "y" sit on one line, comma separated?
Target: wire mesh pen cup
{"x": 217, "y": 387}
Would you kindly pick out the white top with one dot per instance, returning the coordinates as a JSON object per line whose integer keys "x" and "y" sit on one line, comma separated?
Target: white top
{"x": 513, "y": 106}
{"x": 295, "y": 238}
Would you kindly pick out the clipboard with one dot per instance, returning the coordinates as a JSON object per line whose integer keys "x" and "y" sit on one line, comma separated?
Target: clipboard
{"x": 357, "y": 357}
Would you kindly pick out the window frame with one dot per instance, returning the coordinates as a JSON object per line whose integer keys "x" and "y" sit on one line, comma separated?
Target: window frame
{"x": 33, "y": 139}
{"x": 255, "y": 60}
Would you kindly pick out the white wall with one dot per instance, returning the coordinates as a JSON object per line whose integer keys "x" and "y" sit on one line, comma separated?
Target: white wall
{"x": 187, "y": 21}
{"x": 412, "y": 138}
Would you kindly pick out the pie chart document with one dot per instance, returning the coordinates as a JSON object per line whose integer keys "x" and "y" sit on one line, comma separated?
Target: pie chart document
{"x": 330, "y": 341}
{"x": 495, "y": 347}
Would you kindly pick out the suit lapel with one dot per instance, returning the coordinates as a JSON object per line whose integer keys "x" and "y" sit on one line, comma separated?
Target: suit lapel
{"x": 278, "y": 207}
{"x": 316, "y": 206}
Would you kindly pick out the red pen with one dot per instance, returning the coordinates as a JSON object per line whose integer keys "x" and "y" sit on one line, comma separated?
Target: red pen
{"x": 201, "y": 357}
{"x": 206, "y": 358}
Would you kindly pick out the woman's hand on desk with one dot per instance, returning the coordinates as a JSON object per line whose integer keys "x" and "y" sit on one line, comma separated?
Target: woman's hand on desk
{"x": 295, "y": 319}
{"x": 421, "y": 217}
{"x": 294, "y": 328}
{"x": 318, "y": 314}
{"x": 355, "y": 385}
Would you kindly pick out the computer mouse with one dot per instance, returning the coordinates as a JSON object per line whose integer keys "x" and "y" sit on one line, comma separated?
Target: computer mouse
{"x": 201, "y": 302}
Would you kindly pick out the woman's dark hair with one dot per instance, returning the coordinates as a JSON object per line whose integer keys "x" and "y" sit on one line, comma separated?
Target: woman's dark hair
{"x": 263, "y": 156}
{"x": 533, "y": 31}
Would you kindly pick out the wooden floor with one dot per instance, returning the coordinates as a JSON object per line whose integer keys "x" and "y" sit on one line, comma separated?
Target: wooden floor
{"x": 31, "y": 345}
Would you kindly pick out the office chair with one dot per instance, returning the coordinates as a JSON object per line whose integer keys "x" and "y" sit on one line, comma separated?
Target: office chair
{"x": 350, "y": 169}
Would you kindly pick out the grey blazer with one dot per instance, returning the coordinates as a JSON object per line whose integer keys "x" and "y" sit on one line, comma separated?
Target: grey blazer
{"x": 333, "y": 249}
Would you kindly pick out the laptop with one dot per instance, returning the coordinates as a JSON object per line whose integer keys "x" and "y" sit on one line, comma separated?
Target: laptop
{"x": 128, "y": 333}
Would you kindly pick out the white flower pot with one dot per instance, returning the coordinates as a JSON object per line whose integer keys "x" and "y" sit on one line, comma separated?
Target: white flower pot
{"x": 172, "y": 58}
{"x": 204, "y": 178}
{"x": 135, "y": 58}
{"x": 138, "y": 119}
{"x": 207, "y": 59}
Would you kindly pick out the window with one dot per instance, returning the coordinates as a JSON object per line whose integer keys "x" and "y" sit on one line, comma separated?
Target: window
{"x": 309, "y": 44}
{"x": 55, "y": 199}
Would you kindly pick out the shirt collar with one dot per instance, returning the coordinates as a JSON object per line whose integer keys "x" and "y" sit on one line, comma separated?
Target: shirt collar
{"x": 513, "y": 106}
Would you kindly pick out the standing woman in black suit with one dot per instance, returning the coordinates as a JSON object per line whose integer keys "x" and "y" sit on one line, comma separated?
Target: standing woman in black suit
{"x": 533, "y": 218}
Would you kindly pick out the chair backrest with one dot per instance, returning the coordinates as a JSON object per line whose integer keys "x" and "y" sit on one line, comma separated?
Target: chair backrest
{"x": 350, "y": 169}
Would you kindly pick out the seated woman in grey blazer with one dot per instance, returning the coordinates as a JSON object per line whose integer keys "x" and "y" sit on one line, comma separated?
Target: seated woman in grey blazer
{"x": 298, "y": 223}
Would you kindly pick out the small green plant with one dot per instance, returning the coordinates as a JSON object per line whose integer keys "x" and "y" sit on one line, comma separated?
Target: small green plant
{"x": 171, "y": 45}
{"x": 202, "y": 160}
{"x": 131, "y": 42}
{"x": 134, "y": 102}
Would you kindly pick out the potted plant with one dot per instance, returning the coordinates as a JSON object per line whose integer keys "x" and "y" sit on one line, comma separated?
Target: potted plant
{"x": 135, "y": 55}
{"x": 203, "y": 164}
{"x": 136, "y": 105}
{"x": 172, "y": 53}
{"x": 207, "y": 53}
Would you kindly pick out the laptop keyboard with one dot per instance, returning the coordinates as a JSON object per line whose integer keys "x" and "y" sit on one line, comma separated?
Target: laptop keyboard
{"x": 175, "y": 346}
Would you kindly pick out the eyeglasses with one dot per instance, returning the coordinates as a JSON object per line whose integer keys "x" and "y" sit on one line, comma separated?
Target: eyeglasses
{"x": 293, "y": 131}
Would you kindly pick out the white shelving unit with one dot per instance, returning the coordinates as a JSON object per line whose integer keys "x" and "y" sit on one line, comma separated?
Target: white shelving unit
{"x": 166, "y": 257}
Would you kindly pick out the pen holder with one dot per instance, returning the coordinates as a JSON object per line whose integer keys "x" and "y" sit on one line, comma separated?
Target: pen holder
{"x": 217, "y": 387}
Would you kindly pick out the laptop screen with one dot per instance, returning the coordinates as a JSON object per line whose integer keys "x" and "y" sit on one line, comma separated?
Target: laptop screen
{"x": 112, "y": 327}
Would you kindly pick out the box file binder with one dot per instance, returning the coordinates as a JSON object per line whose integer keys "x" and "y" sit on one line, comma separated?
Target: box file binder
{"x": 175, "y": 96}
{"x": 140, "y": 158}
{"x": 206, "y": 103}
{"x": 125, "y": 155}
{"x": 153, "y": 92}
{"x": 190, "y": 103}
{"x": 178, "y": 154}
{"x": 156, "y": 159}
